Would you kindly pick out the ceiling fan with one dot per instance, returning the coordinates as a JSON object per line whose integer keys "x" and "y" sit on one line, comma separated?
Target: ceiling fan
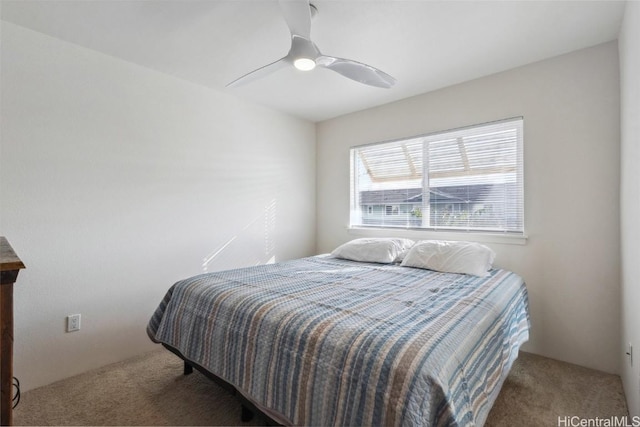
{"x": 305, "y": 55}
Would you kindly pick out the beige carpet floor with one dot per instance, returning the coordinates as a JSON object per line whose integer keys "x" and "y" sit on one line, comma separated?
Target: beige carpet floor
{"x": 151, "y": 390}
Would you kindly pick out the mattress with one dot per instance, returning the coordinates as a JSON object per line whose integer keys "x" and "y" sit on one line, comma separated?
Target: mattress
{"x": 326, "y": 341}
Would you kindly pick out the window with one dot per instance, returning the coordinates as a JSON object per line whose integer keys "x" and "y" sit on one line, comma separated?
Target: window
{"x": 467, "y": 179}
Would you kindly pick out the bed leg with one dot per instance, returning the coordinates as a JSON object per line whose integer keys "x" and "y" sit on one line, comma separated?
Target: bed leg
{"x": 247, "y": 414}
{"x": 188, "y": 369}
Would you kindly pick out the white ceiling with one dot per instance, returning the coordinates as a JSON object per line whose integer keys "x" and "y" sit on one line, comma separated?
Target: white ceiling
{"x": 426, "y": 45}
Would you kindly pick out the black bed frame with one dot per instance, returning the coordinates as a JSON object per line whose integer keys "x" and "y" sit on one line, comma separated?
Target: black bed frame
{"x": 248, "y": 408}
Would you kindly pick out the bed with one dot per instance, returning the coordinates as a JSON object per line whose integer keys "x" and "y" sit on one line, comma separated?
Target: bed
{"x": 328, "y": 341}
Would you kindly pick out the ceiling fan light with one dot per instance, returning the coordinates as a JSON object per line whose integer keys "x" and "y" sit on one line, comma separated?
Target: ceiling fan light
{"x": 304, "y": 64}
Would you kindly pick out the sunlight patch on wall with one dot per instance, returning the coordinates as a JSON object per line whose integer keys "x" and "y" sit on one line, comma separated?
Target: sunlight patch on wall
{"x": 253, "y": 244}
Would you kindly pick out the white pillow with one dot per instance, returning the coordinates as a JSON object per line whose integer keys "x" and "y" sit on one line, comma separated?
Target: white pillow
{"x": 385, "y": 250}
{"x": 451, "y": 257}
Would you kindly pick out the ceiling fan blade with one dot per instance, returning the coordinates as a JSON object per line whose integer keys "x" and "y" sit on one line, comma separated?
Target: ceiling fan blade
{"x": 297, "y": 13}
{"x": 357, "y": 71}
{"x": 260, "y": 72}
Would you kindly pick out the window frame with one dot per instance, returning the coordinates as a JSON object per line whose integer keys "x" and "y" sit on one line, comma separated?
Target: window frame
{"x": 506, "y": 235}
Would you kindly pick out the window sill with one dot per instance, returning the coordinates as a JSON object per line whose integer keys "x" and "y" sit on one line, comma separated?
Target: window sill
{"x": 416, "y": 234}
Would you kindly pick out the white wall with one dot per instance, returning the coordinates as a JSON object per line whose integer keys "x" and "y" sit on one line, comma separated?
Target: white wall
{"x": 116, "y": 181}
{"x": 571, "y": 260}
{"x": 629, "y": 45}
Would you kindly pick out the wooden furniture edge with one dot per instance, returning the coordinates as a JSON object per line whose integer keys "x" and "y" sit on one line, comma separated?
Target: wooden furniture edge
{"x": 8, "y": 258}
{"x": 10, "y": 266}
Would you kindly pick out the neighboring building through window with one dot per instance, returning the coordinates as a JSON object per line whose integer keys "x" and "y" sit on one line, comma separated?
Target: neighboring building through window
{"x": 468, "y": 179}
{"x": 392, "y": 209}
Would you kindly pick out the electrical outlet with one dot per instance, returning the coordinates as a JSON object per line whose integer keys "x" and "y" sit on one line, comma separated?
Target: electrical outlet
{"x": 630, "y": 354}
{"x": 73, "y": 322}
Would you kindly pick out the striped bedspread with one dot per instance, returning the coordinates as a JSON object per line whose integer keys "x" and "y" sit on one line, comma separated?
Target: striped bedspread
{"x": 324, "y": 341}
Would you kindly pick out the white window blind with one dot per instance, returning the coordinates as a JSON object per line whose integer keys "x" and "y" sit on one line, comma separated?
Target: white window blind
{"x": 468, "y": 179}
